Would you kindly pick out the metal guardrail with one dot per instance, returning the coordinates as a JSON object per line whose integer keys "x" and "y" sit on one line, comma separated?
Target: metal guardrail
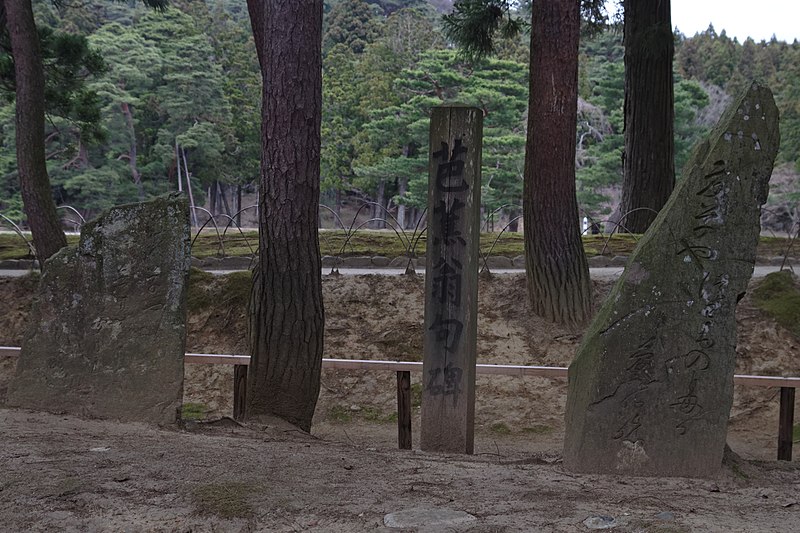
{"x": 787, "y": 385}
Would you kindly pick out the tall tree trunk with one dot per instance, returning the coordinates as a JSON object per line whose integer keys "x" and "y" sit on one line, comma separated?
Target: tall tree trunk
{"x": 286, "y": 312}
{"x": 558, "y": 274}
{"x": 649, "y": 163}
{"x": 137, "y": 177}
{"x": 48, "y": 237}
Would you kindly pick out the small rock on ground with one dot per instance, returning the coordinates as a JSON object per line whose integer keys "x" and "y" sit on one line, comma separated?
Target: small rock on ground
{"x": 413, "y": 518}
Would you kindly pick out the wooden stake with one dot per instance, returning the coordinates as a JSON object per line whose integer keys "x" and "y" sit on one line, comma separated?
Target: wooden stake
{"x": 786, "y": 424}
{"x": 239, "y": 391}
{"x": 404, "y": 410}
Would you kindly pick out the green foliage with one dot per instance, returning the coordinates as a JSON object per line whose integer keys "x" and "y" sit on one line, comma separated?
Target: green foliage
{"x": 500, "y": 428}
{"x": 473, "y": 24}
{"x": 68, "y": 63}
{"x": 396, "y": 141}
{"x": 120, "y": 98}
{"x": 340, "y": 414}
{"x": 374, "y": 414}
{"x": 200, "y": 292}
{"x": 716, "y": 59}
{"x": 538, "y": 429}
{"x": 778, "y": 295}
{"x": 689, "y": 98}
{"x": 352, "y": 23}
{"x": 193, "y": 411}
{"x": 236, "y": 288}
{"x": 125, "y": 83}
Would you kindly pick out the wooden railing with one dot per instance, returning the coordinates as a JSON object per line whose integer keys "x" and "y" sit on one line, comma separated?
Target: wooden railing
{"x": 787, "y": 386}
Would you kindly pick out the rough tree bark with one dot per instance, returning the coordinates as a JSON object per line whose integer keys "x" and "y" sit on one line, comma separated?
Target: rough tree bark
{"x": 648, "y": 166}
{"x": 557, "y": 270}
{"x": 286, "y": 312}
{"x": 48, "y": 236}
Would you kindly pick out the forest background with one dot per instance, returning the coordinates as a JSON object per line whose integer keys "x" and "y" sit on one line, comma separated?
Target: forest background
{"x": 135, "y": 97}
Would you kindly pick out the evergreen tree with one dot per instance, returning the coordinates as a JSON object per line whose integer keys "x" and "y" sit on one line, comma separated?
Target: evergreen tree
{"x": 353, "y": 23}
{"x": 648, "y": 175}
{"x": 557, "y": 271}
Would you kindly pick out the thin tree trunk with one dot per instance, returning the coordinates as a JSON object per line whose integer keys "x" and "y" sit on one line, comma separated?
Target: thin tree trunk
{"x": 557, "y": 270}
{"x": 377, "y": 211}
{"x": 189, "y": 187}
{"x": 224, "y": 198}
{"x": 239, "y": 205}
{"x": 137, "y": 177}
{"x": 48, "y": 236}
{"x": 413, "y": 218}
{"x": 513, "y": 221}
{"x": 286, "y": 311}
{"x": 212, "y": 198}
{"x": 178, "y": 166}
{"x": 402, "y": 188}
{"x": 649, "y": 165}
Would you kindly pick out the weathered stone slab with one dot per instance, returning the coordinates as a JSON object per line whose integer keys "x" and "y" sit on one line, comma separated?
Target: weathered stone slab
{"x": 650, "y": 390}
{"x": 108, "y": 322}
{"x": 428, "y": 519}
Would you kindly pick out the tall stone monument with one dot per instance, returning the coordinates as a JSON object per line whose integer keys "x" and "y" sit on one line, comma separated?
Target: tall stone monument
{"x": 651, "y": 388}
{"x": 108, "y": 327}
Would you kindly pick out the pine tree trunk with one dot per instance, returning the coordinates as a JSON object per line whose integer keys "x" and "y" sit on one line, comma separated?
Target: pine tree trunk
{"x": 48, "y": 237}
{"x": 211, "y": 193}
{"x": 224, "y": 198}
{"x": 558, "y": 274}
{"x": 402, "y": 188}
{"x": 648, "y": 167}
{"x": 132, "y": 155}
{"x": 286, "y": 311}
{"x": 377, "y": 211}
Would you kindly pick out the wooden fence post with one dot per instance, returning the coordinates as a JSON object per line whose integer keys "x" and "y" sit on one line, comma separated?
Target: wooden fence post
{"x": 239, "y": 391}
{"x": 451, "y": 280}
{"x": 404, "y": 409}
{"x": 786, "y": 424}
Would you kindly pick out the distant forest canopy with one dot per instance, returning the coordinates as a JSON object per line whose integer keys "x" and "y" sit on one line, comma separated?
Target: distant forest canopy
{"x": 136, "y": 96}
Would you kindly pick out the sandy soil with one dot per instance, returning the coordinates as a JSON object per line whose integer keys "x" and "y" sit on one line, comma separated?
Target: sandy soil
{"x": 66, "y": 473}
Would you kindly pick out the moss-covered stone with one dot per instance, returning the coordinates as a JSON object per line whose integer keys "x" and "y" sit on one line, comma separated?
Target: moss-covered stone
{"x": 778, "y": 294}
{"x": 108, "y": 322}
{"x": 651, "y": 388}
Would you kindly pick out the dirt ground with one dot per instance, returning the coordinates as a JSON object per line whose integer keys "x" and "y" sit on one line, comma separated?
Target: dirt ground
{"x": 65, "y": 473}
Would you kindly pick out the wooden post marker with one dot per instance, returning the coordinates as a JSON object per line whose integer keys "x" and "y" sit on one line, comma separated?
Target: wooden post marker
{"x": 451, "y": 280}
{"x": 404, "y": 409}
{"x": 239, "y": 391}
{"x": 786, "y": 424}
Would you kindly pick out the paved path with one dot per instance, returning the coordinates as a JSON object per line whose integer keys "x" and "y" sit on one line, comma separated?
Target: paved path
{"x": 596, "y": 273}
